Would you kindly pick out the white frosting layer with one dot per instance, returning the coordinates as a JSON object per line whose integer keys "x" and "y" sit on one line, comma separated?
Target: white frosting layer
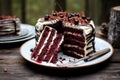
{"x": 75, "y": 46}
{"x": 92, "y": 23}
{"x": 70, "y": 33}
{"x": 75, "y": 53}
{"x": 86, "y": 28}
{"x": 87, "y": 51}
{"x": 40, "y": 23}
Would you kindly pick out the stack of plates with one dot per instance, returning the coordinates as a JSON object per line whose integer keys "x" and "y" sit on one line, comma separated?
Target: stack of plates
{"x": 26, "y": 32}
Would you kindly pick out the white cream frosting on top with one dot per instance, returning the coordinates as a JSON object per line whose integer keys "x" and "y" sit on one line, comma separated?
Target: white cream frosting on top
{"x": 86, "y": 27}
{"x": 40, "y": 23}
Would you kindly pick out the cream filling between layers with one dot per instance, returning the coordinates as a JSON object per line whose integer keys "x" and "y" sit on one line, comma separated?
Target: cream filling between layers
{"x": 75, "y": 46}
{"x": 75, "y": 34}
{"x": 57, "y": 47}
{"x": 44, "y": 42}
{"x": 55, "y": 35}
{"x": 75, "y": 53}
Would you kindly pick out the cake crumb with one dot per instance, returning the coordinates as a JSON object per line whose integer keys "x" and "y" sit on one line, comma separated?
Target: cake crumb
{"x": 5, "y": 69}
{"x": 61, "y": 61}
{"x": 60, "y": 58}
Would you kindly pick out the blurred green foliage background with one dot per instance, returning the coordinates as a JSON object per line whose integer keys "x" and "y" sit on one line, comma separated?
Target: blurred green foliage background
{"x": 29, "y": 11}
{"x": 38, "y": 8}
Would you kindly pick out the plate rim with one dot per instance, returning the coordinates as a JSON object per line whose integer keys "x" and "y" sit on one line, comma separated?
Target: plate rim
{"x": 67, "y": 67}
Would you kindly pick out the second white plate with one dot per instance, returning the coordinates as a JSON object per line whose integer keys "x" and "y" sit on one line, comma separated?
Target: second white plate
{"x": 26, "y": 32}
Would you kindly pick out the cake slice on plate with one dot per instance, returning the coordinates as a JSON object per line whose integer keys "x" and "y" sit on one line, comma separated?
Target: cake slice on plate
{"x": 48, "y": 47}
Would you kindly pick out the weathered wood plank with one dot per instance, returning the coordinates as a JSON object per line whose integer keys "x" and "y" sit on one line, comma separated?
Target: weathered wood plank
{"x": 18, "y": 68}
{"x": 28, "y": 72}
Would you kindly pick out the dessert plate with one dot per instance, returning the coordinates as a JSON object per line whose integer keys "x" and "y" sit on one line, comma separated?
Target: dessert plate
{"x": 26, "y": 32}
{"x": 63, "y": 60}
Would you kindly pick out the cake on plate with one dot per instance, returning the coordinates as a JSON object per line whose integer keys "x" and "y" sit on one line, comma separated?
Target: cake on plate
{"x": 9, "y": 25}
{"x": 76, "y": 30}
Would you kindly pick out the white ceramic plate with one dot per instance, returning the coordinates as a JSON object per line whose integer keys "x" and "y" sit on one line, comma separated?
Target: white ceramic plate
{"x": 99, "y": 45}
{"x": 26, "y": 32}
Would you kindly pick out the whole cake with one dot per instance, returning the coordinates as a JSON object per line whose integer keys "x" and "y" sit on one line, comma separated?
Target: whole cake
{"x": 77, "y": 30}
{"x": 9, "y": 25}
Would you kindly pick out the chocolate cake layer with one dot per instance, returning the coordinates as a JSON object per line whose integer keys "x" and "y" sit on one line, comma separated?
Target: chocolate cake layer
{"x": 79, "y": 37}
{"x": 74, "y": 42}
{"x": 73, "y": 54}
{"x": 72, "y": 30}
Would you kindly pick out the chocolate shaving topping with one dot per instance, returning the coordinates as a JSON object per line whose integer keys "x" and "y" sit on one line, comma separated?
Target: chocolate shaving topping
{"x": 83, "y": 17}
{"x": 54, "y": 14}
{"x": 76, "y": 22}
{"x": 74, "y": 18}
{"x": 61, "y": 16}
{"x": 46, "y": 17}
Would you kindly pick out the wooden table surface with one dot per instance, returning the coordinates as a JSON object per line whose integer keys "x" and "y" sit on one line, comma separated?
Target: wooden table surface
{"x": 14, "y": 67}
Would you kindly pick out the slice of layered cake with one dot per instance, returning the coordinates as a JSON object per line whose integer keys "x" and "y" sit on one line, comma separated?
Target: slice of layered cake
{"x": 48, "y": 46}
{"x": 9, "y": 25}
{"x": 78, "y": 32}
